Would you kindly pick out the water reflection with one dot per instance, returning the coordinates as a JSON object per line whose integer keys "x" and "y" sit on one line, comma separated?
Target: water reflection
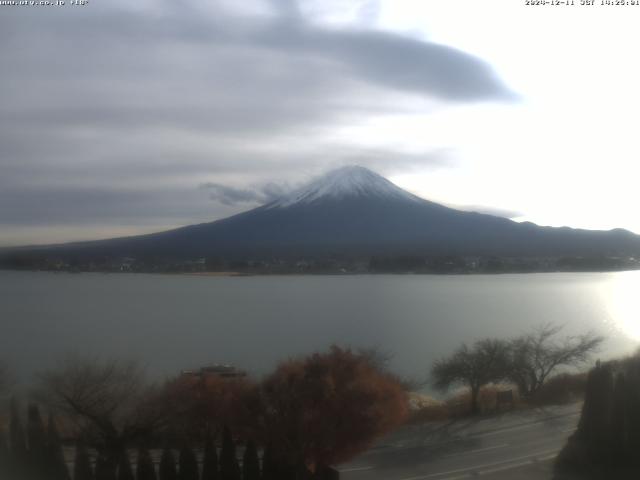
{"x": 624, "y": 303}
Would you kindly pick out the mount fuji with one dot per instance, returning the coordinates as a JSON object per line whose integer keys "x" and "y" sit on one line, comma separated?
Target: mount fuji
{"x": 345, "y": 182}
{"x": 356, "y": 212}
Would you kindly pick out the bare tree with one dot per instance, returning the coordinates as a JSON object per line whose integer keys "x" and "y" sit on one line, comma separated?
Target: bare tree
{"x": 109, "y": 401}
{"x": 484, "y": 362}
{"x": 538, "y": 354}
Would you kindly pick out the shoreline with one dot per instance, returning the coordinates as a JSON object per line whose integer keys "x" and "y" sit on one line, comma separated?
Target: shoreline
{"x": 355, "y": 274}
{"x": 322, "y": 274}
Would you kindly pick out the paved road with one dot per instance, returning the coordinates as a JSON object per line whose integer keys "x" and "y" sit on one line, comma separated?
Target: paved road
{"x": 517, "y": 445}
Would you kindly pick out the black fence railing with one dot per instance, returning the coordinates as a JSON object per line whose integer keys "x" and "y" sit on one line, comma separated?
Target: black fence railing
{"x": 37, "y": 453}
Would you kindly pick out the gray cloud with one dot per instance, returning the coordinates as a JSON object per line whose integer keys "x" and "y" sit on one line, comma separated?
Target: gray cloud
{"x": 389, "y": 162}
{"x": 116, "y": 114}
{"x": 395, "y": 61}
{"x": 46, "y": 205}
{"x": 233, "y": 196}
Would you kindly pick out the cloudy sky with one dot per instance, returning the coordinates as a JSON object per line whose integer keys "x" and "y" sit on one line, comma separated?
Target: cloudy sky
{"x": 121, "y": 117}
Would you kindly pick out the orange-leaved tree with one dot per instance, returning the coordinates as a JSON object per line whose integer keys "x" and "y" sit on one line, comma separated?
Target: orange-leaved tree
{"x": 201, "y": 406}
{"x": 326, "y": 408}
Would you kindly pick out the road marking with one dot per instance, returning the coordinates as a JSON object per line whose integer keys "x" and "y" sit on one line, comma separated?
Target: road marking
{"x": 523, "y": 425}
{"x": 520, "y": 464}
{"x": 355, "y": 469}
{"x": 380, "y": 449}
{"x": 508, "y": 429}
{"x": 501, "y": 469}
{"x": 568, "y": 430}
{"x": 477, "y": 468}
{"x": 477, "y": 450}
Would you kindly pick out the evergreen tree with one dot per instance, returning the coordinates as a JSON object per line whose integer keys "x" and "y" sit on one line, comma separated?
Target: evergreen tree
{"x": 229, "y": 469}
{"x": 168, "y": 466}
{"x": 274, "y": 467}
{"x": 125, "y": 472}
{"x": 37, "y": 443}
{"x": 633, "y": 413}
{"x": 145, "y": 469}
{"x": 596, "y": 413}
{"x": 17, "y": 443}
{"x": 82, "y": 465}
{"x": 105, "y": 469}
{"x": 250, "y": 463}
{"x": 619, "y": 423}
{"x": 4, "y": 456}
{"x": 210, "y": 460}
{"x": 56, "y": 464}
{"x": 301, "y": 473}
{"x": 269, "y": 470}
{"x": 188, "y": 464}
{"x": 607, "y": 440}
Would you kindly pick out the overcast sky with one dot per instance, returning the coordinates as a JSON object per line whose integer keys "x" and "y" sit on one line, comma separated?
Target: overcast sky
{"x": 122, "y": 117}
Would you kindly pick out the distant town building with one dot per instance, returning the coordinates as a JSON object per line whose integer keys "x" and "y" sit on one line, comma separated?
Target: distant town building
{"x": 126, "y": 264}
{"x": 215, "y": 371}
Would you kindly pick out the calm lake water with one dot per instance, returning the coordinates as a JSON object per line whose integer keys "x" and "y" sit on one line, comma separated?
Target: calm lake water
{"x": 174, "y": 322}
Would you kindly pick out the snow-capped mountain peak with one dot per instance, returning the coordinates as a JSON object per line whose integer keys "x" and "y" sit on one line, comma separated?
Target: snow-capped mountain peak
{"x": 349, "y": 181}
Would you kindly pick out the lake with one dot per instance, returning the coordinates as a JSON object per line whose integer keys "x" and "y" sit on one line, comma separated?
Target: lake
{"x": 174, "y": 322}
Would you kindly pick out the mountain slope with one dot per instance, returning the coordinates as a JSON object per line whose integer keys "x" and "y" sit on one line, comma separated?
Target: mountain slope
{"x": 354, "y": 211}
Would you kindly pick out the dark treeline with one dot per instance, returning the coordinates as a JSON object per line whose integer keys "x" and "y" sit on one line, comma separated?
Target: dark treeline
{"x": 344, "y": 263}
{"x": 495, "y": 264}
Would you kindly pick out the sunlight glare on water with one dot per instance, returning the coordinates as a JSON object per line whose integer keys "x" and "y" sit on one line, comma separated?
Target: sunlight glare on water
{"x": 624, "y": 303}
